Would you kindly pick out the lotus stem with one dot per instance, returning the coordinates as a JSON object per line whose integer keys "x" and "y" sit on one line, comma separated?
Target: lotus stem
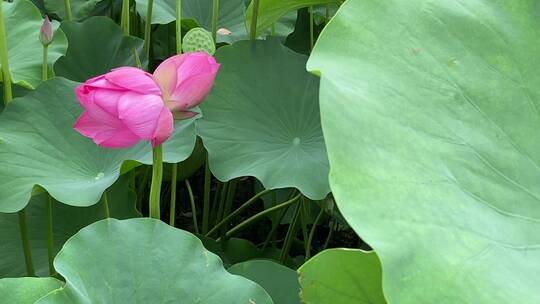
{"x": 215, "y": 16}
{"x": 155, "y": 186}
{"x": 124, "y": 22}
{"x": 50, "y": 235}
{"x": 206, "y": 201}
{"x": 253, "y": 25}
{"x": 311, "y": 31}
{"x": 172, "y": 211}
{"x": 148, "y": 28}
{"x": 259, "y": 215}
{"x": 312, "y": 233}
{"x": 291, "y": 232}
{"x": 179, "y": 26}
{"x": 237, "y": 211}
{"x": 45, "y": 65}
{"x": 26, "y": 244}
{"x": 67, "y": 7}
{"x": 105, "y": 202}
{"x": 4, "y": 61}
{"x": 193, "y": 208}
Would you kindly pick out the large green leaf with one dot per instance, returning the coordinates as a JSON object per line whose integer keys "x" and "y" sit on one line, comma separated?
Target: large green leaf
{"x": 231, "y": 15}
{"x": 145, "y": 261}
{"x": 26, "y": 290}
{"x": 80, "y": 9}
{"x": 262, "y": 119}
{"x": 67, "y": 220}
{"x": 96, "y": 46}
{"x": 280, "y": 282}
{"x": 271, "y": 10}
{"x": 38, "y": 146}
{"x": 23, "y": 22}
{"x": 342, "y": 276}
{"x": 430, "y": 112}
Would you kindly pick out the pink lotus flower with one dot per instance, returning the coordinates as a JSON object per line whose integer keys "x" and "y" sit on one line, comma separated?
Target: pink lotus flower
{"x": 46, "y": 32}
{"x": 128, "y": 105}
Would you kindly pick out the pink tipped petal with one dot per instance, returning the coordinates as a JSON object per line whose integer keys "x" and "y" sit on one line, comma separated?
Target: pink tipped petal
{"x": 82, "y": 94}
{"x": 133, "y": 79}
{"x": 108, "y": 100}
{"x": 104, "y": 135}
{"x": 165, "y": 77}
{"x": 192, "y": 92}
{"x": 118, "y": 139}
{"x": 164, "y": 128}
{"x": 87, "y": 126}
{"x": 140, "y": 113}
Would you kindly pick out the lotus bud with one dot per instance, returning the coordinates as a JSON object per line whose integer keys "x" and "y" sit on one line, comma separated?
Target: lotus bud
{"x": 46, "y": 32}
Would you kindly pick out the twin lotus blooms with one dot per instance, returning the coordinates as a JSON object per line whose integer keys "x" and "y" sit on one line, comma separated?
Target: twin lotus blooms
{"x": 128, "y": 105}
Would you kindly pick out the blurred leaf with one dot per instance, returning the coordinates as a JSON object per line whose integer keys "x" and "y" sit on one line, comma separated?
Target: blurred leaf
{"x": 231, "y": 15}
{"x": 96, "y": 46}
{"x": 114, "y": 261}
{"x": 39, "y": 147}
{"x": 430, "y": 113}
{"x": 269, "y": 126}
{"x": 80, "y": 9}
{"x": 280, "y": 282}
{"x": 26, "y": 290}
{"x": 67, "y": 220}
{"x": 271, "y": 10}
{"x": 342, "y": 276}
{"x": 23, "y": 22}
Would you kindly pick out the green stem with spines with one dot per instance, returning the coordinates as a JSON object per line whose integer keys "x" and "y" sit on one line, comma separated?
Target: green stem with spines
{"x": 193, "y": 208}
{"x": 311, "y": 31}
{"x": 237, "y": 211}
{"x": 26, "y": 244}
{"x": 206, "y": 199}
{"x": 172, "y": 210}
{"x": 178, "y": 26}
{"x": 312, "y": 233}
{"x": 67, "y": 8}
{"x": 4, "y": 60}
{"x": 50, "y": 235}
{"x": 260, "y": 215}
{"x": 124, "y": 22}
{"x": 155, "y": 186}
{"x": 148, "y": 28}
{"x": 105, "y": 202}
{"x": 215, "y": 16}
{"x": 253, "y": 25}
{"x": 291, "y": 232}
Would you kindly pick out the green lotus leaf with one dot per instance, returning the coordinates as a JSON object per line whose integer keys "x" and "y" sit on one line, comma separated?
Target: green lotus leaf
{"x": 108, "y": 48}
{"x": 270, "y": 11}
{"x": 80, "y": 9}
{"x": 26, "y": 290}
{"x": 231, "y": 15}
{"x": 280, "y": 282}
{"x": 430, "y": 113}
{"x": 342, "y": 276}
{"x": 262, "y": 119}
{"x": 145, "y": 261}
{"x": 67, "y": 221}
{"x": 38, "y": 146}
{"x": 25, "y": 52}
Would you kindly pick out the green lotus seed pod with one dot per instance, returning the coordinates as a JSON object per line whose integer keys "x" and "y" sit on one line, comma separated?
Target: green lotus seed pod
{"x": 198, "y": 39}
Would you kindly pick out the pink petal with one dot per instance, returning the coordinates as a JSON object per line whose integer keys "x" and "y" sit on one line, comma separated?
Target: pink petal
{"x": 133, "y": 79}
{"x": 102, "y": 83}
{"x": 141, "y": 113}
{"x": 104, "y": 135}
{"x": 191, "y": 92}
{"x": 108, "y": 99}
{"x": 165, "y": 75}
{"x": 164, "y": 128}
{"x": 101, "y": 114}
